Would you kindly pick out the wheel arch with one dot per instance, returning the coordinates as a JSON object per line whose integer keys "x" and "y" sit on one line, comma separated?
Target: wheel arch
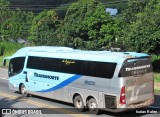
{"x": 74, "y": 95}
{"x": 88, "y": 98}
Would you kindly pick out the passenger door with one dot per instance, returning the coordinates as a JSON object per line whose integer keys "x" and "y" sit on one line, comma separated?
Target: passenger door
{"x": 34, "y": 83}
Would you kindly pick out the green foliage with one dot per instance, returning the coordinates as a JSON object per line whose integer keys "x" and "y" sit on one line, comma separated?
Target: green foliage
{"x": 60, "y": 6}
{"x": 4, "y": 14}
{"x": 155, "y": 57}
{"x": 134, "y": 7}
{"x": 156, "y": 62}
{"x": 4, "y": 11}
{"x": 17, "y": 25}
{"x": 157, "y": 77}
{"x": 43, "y": 28}
{"x": 119, "y": 4}
{"x": 87, "y": 25}
{"x": 10, "y": 48}
{"x": 141, "y": 29}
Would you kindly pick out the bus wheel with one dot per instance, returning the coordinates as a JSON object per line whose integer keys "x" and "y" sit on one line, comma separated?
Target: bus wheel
{"x": 23, "y": 90}
{"x": 93, "y": 106}
{"x": 78, "y": 103}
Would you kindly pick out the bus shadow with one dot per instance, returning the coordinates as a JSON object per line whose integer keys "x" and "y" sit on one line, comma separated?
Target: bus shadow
{"x": 8, "y": 104}
{"x": 156, "y": 103}
{"x": 122, "y": 114}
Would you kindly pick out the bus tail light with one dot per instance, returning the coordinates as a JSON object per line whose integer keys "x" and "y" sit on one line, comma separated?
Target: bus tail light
{"x": 122, "y": 96}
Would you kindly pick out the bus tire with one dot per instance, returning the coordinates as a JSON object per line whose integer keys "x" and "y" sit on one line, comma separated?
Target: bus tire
{"x": 93, "y": 106}
{"x": 23, "y": 90}
{"x": 78, "y": 103}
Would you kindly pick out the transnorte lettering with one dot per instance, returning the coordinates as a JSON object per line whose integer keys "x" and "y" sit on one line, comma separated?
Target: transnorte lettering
{"x": 46, "y": 76}
{"x": 138, "y": 67}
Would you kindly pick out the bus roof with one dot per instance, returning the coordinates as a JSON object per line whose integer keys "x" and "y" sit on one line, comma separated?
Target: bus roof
{"x": 70, "y": 53}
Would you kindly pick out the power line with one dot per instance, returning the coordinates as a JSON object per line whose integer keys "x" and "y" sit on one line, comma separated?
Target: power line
{"x": 74, "y": 2}
{"x": 56, "y": 7}
{"x": 68, "y": 4}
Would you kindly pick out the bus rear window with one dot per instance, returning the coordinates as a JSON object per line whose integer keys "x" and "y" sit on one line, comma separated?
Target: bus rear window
{"x": 135, "y": 68}
{"x": 16, "y": 65}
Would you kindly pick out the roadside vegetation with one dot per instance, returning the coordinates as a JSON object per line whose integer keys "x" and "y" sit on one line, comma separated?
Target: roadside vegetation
{"x": 156, "y": 69}
{"x": 9, "y": 49}
{"x": 86, "y": 25}
{"x": 157, "y": 77}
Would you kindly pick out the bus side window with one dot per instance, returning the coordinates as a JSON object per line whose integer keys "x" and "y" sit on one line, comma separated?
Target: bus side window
{"x": 74, "y": 67}
{"x": 106, "y": 70}
{"x": 89, "y": 68}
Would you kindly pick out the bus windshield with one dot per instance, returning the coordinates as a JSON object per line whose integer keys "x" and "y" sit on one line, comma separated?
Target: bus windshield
{"x": 16, "y": 66}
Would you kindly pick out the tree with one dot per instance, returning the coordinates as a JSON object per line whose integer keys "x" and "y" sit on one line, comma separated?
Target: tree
{"x": 142, "y": 33}
{"x": 17, "y": 25}
{"x": 4, "y": 14}
{"x": 87, "y": 25}
{"x": 4, "y": 10}
{"x": 134, "y": 7}
{"x": 43, "y": 28}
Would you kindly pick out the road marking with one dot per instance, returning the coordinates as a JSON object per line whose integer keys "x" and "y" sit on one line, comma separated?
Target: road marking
{"x": 3, "y": 78}
{"x": 39, "y": 104}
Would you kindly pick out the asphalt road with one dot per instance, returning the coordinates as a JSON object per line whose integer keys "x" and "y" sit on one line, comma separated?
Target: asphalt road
{"x": 13, "y": 100}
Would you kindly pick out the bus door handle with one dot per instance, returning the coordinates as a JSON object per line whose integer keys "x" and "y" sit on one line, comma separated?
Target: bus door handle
{"x": 26, "y": 79}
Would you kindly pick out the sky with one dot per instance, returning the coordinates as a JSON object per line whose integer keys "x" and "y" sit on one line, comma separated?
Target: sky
{"x": 112, "y": 11}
